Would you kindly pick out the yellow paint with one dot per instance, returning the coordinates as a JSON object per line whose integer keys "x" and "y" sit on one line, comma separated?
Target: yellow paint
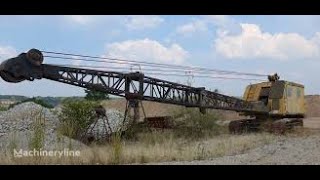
{"x": 294, "y": 96}
{"x": 292, "y": 102}
{"x": 252, "y": 91}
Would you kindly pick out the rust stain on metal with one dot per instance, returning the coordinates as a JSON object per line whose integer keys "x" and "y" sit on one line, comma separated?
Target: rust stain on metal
{"x": 159, "y": 122}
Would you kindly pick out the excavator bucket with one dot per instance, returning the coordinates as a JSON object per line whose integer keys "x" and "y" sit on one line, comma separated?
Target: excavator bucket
{"x": 26, "y": 66}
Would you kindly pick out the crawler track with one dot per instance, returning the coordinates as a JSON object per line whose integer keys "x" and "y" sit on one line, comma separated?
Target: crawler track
{"x": 253, "y": 125}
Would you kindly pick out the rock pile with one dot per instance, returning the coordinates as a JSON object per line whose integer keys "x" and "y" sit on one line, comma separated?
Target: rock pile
{"x": 21, "y": 118}
{"x": 103, "y": 127}
{"x": 17, "y": 128}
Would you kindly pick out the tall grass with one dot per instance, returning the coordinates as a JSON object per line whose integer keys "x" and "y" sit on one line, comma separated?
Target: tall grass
{"x": 38, "y": 131}
{"x": 13, "y": 143}
{"x": 116, "y": 146}
{"x": 158, "y": 147}
{"x": 181, "y": 150}
{"x": 170, "y": 150}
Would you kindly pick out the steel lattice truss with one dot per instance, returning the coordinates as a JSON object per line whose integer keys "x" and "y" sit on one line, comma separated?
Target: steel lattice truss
{"x": 138, "y": 86}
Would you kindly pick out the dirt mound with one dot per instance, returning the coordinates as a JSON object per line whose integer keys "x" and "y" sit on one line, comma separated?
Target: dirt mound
{"x": 312, "y": 105}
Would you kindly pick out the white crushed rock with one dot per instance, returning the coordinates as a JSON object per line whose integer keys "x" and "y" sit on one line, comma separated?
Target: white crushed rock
{"x": 16, "y": 127}
{"x": 102, "y": 127}
{"x": 21, "y": 117}
{"x": 23, "y": 140}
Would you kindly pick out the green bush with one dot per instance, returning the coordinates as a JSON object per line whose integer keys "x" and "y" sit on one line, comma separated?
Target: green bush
{"x": 191, "y": 123}
{"x": 2, "y": 108}
{"x": 188, "y": 123}
{"x": 76, "y": 116}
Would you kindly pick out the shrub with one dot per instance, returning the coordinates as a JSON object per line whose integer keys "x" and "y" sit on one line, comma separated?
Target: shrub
{"x": 190, "y": 122}
{"x": 2, "y": 108}
{"x": 76, "y": 117}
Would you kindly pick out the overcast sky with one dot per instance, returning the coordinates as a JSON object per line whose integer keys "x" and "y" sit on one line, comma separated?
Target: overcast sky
{"x": 288, "y": 45}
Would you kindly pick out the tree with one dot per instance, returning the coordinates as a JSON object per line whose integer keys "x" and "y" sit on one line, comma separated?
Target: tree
{"x": 95, "y": 95}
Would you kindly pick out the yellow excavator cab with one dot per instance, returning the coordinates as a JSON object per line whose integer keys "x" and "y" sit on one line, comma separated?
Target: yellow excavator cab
{"x": 282, "y": 98}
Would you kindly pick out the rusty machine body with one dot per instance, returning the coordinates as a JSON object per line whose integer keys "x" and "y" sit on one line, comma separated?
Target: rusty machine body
{"x": 283, "y": 100}
{"x": 280, "y": 101}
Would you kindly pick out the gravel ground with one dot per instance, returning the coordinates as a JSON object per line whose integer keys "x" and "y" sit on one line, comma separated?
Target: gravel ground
{"x": 287, "y": 150}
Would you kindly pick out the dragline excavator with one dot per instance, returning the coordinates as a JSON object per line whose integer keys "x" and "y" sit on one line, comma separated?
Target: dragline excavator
{"x": 279, "y": 102}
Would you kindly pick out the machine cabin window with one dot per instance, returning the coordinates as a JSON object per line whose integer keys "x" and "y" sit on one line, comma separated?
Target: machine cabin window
{"x": 264, "y": 95}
